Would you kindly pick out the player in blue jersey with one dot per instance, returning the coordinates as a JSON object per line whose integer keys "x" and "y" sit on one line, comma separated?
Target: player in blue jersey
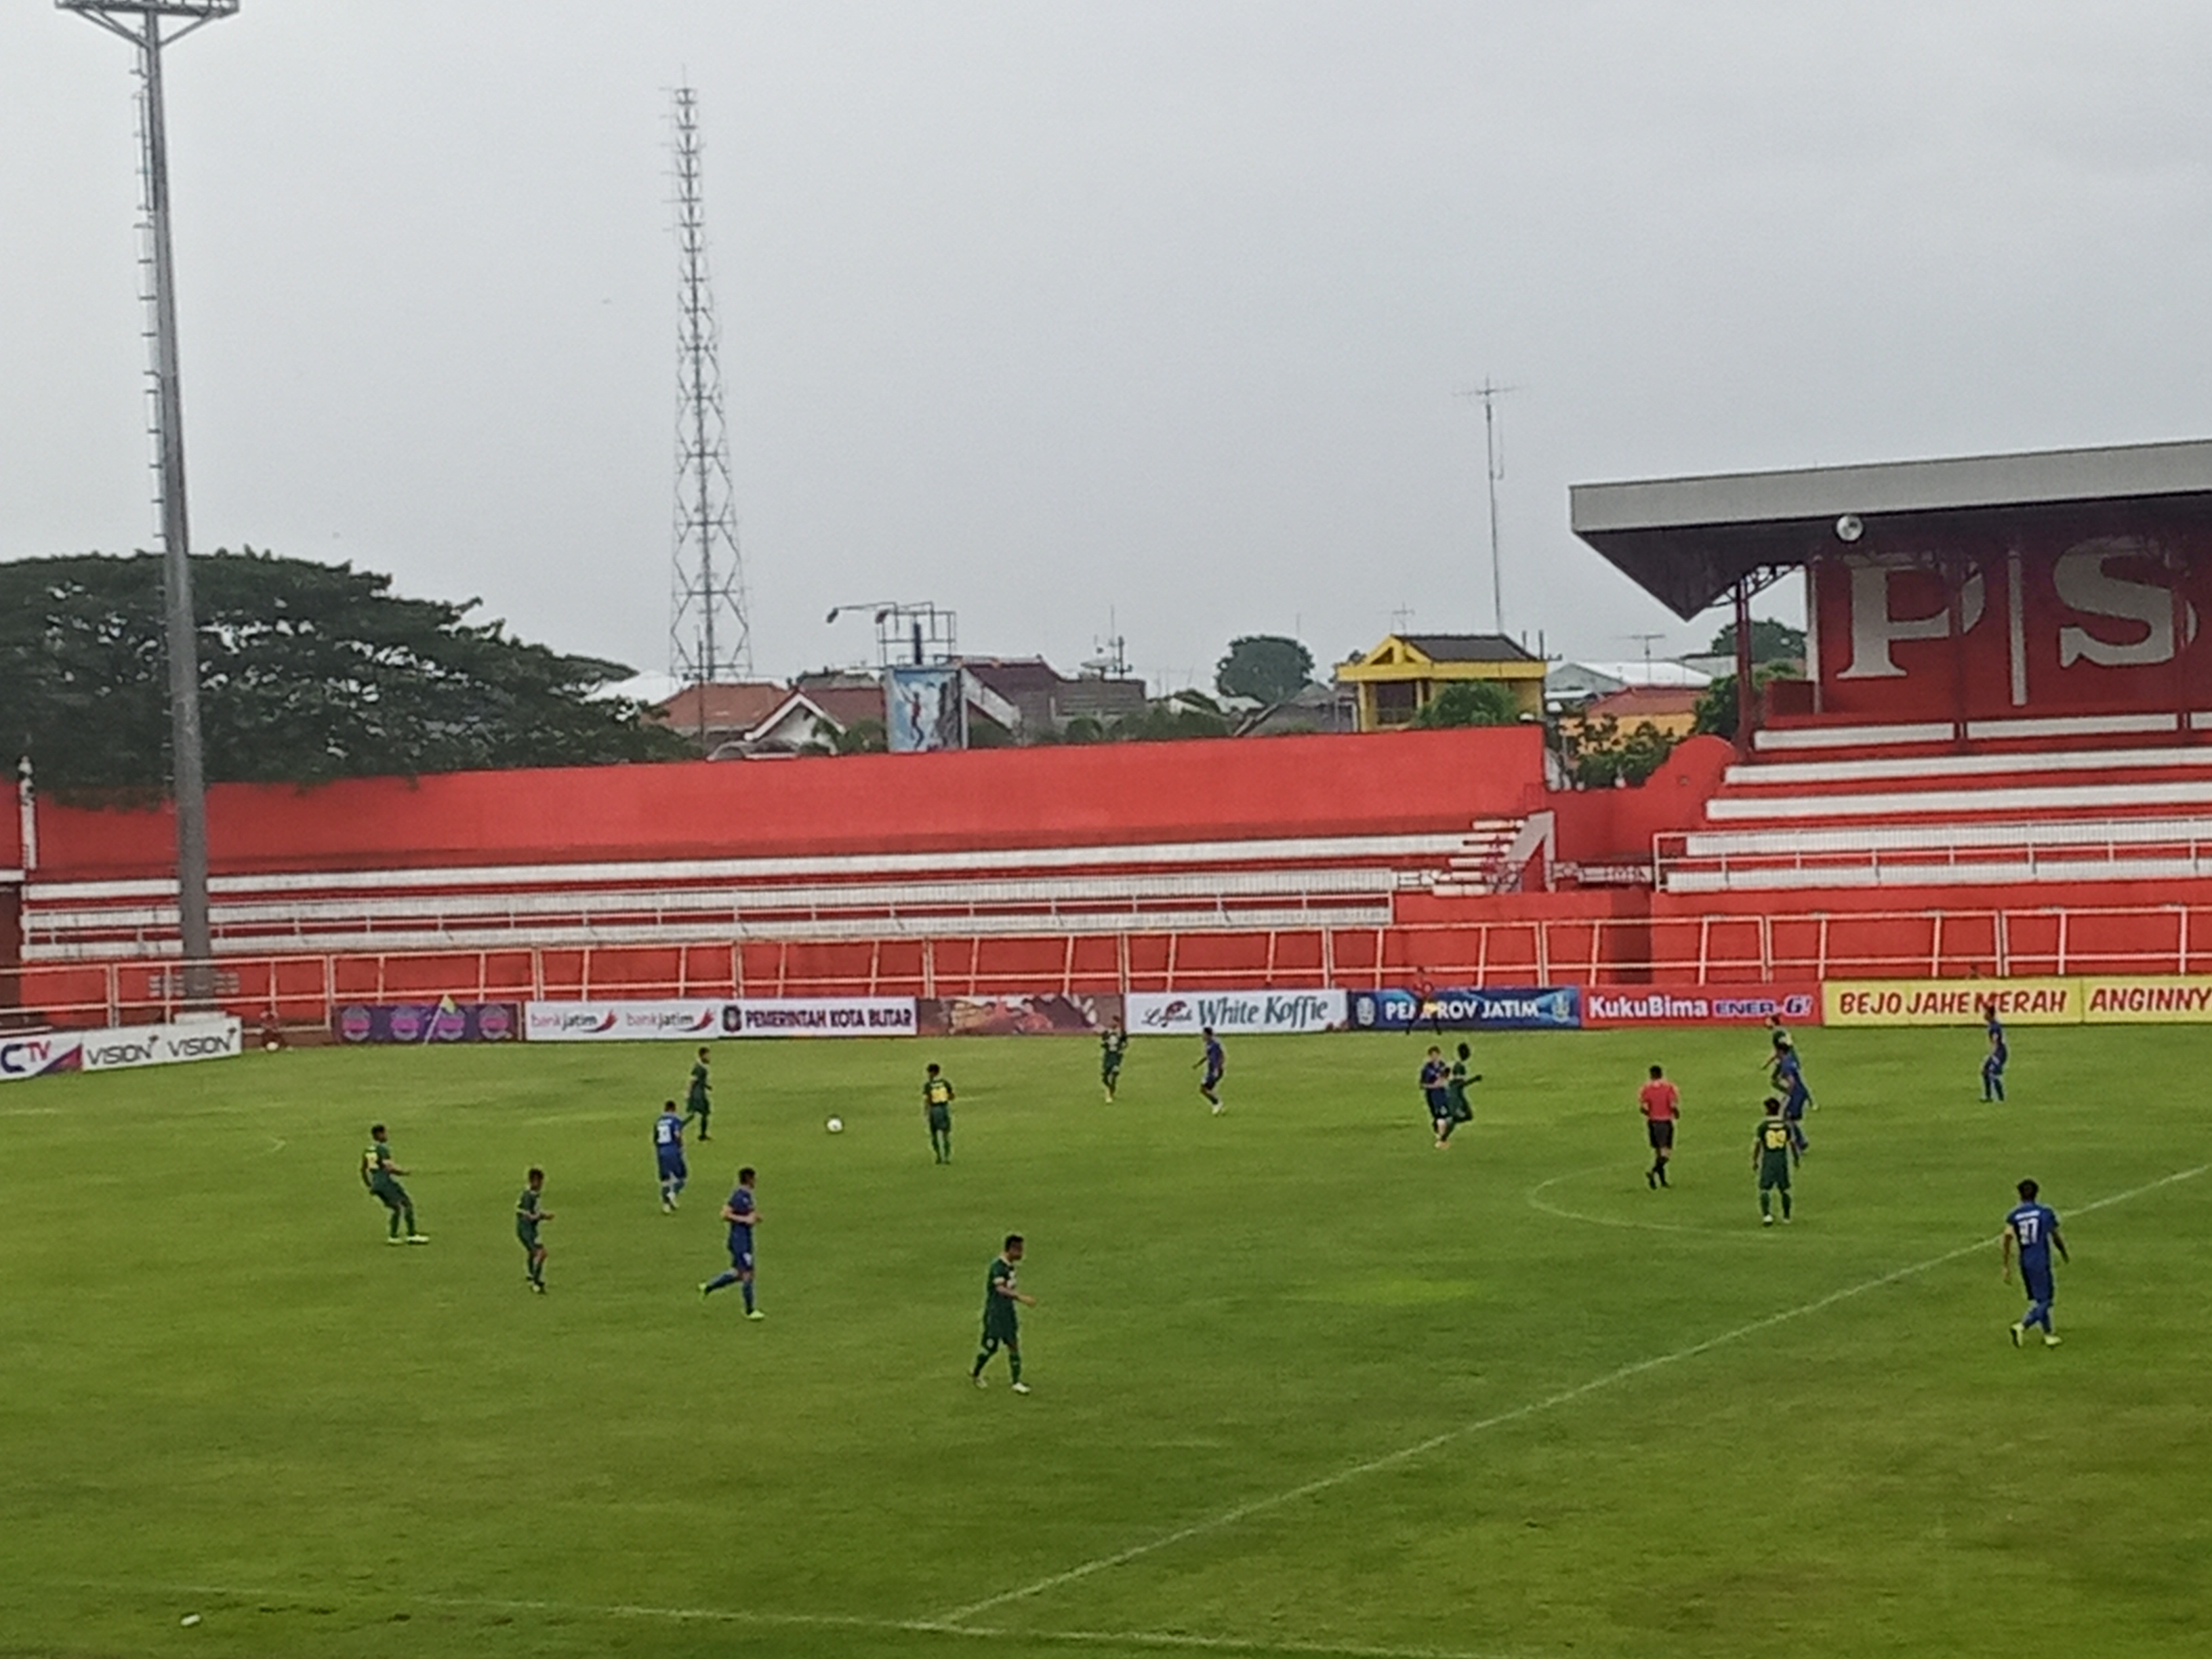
{"x": 743, "y": 1217}
{"x": 1993, "y": 1063}
{"x": 668, "y": 1153}
{"x": 1436, "y": 1090}
{"x": 1215, "y": 1063}
{"x": 2034, "y": 1228}
{"x": 1789, "y": 1077}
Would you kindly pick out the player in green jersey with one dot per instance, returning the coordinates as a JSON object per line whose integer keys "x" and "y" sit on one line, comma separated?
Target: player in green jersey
{"x": 937, "y": 1107}
{"x": 696, "y": 1104}
{"x": 527, "y": 1215}
{"x": 381, "y": 1176}
{"x": 1002, "y": 1299}
{"x": 1769, "y": 1155}
{"x": 1113, "y": 1043}
{"x": 1455, "y": 1082}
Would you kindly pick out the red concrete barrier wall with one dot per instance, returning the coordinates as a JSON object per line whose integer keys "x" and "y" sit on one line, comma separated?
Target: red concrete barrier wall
{"x": 1113, "y": 794}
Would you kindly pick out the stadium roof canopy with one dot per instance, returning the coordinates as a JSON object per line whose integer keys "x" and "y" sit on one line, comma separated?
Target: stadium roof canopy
{"x": 1688, "y": 541}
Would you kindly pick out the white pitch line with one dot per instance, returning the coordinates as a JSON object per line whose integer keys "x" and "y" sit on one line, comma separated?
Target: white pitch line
{"x": 1173, "y": 1640}
{"x": 1230, "y": 1517}
{"x": 1537, "y": 1203}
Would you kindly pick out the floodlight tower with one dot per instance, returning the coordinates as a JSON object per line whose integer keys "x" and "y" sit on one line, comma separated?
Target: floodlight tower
{"x": 709, "y": 633}
{"x": 149, "y": 26}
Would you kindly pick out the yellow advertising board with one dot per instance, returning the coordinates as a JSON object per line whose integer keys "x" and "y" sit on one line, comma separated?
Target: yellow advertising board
{"x": 2144, "y": 999}
{"x": 1952, "y": 1001}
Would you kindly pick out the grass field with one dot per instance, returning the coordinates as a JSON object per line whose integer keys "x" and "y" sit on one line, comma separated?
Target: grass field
{"x": 1302, "y": 1385}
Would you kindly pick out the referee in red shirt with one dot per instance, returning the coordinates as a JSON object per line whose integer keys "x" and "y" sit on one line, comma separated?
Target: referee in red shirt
{"x": 1661, "y": 1103}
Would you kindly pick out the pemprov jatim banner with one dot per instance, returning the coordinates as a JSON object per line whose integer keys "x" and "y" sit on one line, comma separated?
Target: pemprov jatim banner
{"x": 1188, "y": 1012}
{"x": 1465, "y": 1008}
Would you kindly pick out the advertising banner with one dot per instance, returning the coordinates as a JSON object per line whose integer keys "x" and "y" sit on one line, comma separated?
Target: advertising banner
{"x": 1188, "y": 1012}
{"x": 43, "y": 1055}
{"x": 2147, "y": 999}
{"x": 1500, "y": 1008}
{"x": 926, "y": 708}
{"x": 1701, "y": 1005}
{"x": 163, "y": 1045}
{"x": 760, "y": 1016}
{"x": 622, "y": 1021}
{"x": 1052, "y": 1016}
{"x": 443, "y": 1021}
{"x": 1952, "y": 1001}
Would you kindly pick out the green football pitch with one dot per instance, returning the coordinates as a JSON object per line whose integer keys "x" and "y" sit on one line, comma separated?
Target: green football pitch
{"x": 1302, "y": 1384}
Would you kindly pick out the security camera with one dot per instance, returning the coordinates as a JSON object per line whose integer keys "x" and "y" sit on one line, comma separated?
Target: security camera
{"x": 1849, "y": 529}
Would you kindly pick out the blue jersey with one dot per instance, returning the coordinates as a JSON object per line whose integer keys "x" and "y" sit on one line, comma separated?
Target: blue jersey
{"x": 1998, "y": 1051}
{"x": 741, "y": 1232}
{"x": 1214, "y": 1060}
{"x": 667, "y": 1133}
{"x": 2032, "y": 1225}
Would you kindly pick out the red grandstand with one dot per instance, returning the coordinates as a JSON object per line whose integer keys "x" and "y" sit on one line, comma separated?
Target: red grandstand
{"x": 1997, "y": 764}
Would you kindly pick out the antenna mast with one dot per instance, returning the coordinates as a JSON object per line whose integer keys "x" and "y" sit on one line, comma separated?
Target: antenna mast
{"x": 709, "y": 636}
{"x": 1493, "y": 471}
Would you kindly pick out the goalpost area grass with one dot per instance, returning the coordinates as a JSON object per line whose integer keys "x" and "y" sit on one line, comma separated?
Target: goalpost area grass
{"x": 1302, "y": 1384}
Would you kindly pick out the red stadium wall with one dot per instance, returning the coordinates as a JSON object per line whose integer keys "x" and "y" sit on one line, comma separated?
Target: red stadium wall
{"x": 1610, "y": 826}
{"x": 1107, "y": 795}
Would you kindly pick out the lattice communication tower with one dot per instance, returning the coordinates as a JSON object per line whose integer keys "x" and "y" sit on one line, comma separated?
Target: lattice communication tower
{"x": 709, "y": 637}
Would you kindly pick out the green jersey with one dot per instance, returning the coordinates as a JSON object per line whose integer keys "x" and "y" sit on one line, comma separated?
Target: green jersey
{"x": 1456, "y": 1092}
{"x": 1772, "y": 1142}
{"x": 376, "y": 1165}
{"x": 526, "y": 1216}
{"x": 999, "y": 1303}
{"x": 1111, "y": 1046}
{"x": 937, "y": 1098}
{"x": 699, "y": 1086}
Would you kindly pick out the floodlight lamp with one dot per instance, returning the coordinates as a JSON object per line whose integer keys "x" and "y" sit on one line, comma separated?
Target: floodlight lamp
{"x": 205, "y": 10}
{"x": 1850, "y": 527}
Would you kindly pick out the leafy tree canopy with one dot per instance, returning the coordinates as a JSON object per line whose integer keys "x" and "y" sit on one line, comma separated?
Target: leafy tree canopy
{"x": 1469, "y": 702}
{"x": 1770, "y": 641}
{"x": 1266, "y": 667}
{"x": 1716, "y": 710}
{"x": 1599, "y": 754}
{"x": 307, "y": 672}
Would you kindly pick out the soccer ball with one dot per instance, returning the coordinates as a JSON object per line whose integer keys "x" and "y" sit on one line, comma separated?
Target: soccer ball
{"x": 836, "y": 1126}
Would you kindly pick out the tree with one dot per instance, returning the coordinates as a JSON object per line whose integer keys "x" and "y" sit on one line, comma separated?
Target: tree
{"x": 1716, "y": 710}
{"x": 1184, "y": 714}
{"x": 1469, "y": 702}
{"x": 1770, "y": 641}
{"x": 307, "y": 672}
{"x": 1599, "y": 754}
{"x": 1265, "y": 668}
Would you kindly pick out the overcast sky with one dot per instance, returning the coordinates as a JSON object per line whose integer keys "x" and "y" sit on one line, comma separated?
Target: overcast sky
{"x": 1050, "y": 313}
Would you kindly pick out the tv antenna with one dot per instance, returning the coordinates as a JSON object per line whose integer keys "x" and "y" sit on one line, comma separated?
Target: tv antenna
{"x": 709, "y": 634}
{"x": 149, "y": 26}
{"x": 1646, "y": 639}
{"x": 1493, "y": 471}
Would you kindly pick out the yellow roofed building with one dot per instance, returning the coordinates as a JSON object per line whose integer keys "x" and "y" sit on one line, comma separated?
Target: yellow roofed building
{"x": 1402, "y": 675}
